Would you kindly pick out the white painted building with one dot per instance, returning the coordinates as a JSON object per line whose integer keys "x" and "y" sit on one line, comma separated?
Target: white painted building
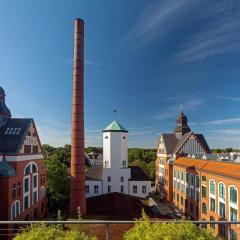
{"x": 114, "y": 175}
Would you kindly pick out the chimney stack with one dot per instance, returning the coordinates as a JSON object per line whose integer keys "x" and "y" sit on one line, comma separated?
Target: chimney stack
{"x": 77, "y": 195}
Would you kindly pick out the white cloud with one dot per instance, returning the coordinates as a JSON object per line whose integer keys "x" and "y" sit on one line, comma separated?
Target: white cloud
{"x": 223, "y": 121}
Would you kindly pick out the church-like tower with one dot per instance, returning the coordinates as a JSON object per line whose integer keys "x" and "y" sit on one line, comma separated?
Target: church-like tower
{"x": 181, "y": 125}
{"x": 4, "y": 111}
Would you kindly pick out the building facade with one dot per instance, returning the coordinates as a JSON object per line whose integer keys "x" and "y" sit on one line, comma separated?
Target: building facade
{"x": 181, "y": 142}
{"x": 208, "y": 190}
{"x": 22, "y": 173}
{"x": 114, "y": 174}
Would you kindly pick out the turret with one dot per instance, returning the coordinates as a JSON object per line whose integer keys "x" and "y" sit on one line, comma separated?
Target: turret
{"x": 4, "y": 111}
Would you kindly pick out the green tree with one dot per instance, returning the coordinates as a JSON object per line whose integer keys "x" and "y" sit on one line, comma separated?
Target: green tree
{"x": 52, "y": 232}
{"x": 58, "y": 181}
{"x": 144, "y": 230}
{"x": 151, "y": 170}
{"x": 140, "y": 164}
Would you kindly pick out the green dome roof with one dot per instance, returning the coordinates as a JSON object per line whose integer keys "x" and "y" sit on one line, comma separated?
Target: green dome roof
{"x": 115, "y": 126}
{"x": 170, "y": 161}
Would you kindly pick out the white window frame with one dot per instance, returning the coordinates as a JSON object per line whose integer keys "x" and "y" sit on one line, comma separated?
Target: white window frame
{"x": 34, "y": 189}
{"x": 28, "y": 192}
{"x": 231, "y": 204}
{"x": 14, "y": 209}
{"x": 144, "y": 189}
{"x": 212, "y": 195}
{"x": 135, "y": 186}
{"x": 220, "y": 199}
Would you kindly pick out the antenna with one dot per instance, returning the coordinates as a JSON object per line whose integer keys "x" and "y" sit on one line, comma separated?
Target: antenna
{"x": 115, "y": 113}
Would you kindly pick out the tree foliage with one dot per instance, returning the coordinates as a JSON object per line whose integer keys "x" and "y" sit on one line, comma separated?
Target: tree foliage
{"x": 144, "y": 230}
{"x": 44, "y": 232}
{"x": 58, "y": 177}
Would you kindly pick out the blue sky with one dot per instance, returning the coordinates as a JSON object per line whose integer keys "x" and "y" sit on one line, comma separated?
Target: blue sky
{"x": 143, "y": 58}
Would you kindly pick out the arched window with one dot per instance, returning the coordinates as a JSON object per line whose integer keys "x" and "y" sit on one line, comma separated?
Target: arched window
{"x": 212, "y": 187}
{"x": 221, "y": 191}
{"x": 204, "y": 208}
{"x": 15, "y": 209}
{"x": 233, "y": 195}
{"x": 212, "y": 220}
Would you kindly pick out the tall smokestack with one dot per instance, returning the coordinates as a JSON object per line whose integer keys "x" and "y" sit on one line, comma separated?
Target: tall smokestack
{"x": 77, "y": 197}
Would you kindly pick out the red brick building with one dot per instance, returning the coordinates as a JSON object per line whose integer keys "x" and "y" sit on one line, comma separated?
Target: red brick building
{"x": 22, "y": 173}
{"x": 208, "y": 190}
{"x": 171, "y": 146}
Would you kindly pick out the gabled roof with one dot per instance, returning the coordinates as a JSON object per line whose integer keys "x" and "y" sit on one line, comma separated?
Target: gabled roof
{"x": 94, "y": 173}
{"x": 137, "y": 174}
{"x": 182, "y": 140}
{"x": 12, "y": 134}
{"x": 203, "y": 142}
{"x": 170, "y": 141}
{"x": 115, "y": 126}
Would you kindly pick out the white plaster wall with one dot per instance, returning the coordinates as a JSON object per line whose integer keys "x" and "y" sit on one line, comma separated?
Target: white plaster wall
{"x": 91, "y": 188}
{"x": 139, "y": 185}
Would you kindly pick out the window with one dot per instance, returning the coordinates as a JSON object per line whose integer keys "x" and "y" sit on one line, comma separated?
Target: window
{"x": 174, "y": 195}
{"x": 124, "y": 163}
{"x": 134, "y": 189}
{"x": 95, "y": 189}
{"x": 26, "y": 184}
{"x": 174, "y": 173}
{"x": 27, "y": 170}
{"x": 221, "y": 191}
{"x": 178, "y": 197}
{"x": 109, "y": 188}
{"x": 187, "y": 178}
{"x": 204, "y": 191}
{"x": 144, "y": 189}
{"x": 222, "y": 209}
{"x": 233, "y": 214}
{"x": 27, "y": 149}
{"x": 212, "y": 204}
{"x": 181, "y": 200}
{"x": 109, "y": 179}
{"x": 186, "y": 203}
{"x": 26, "y": 202}
{"x": 197, "y": 196}
{"x": 192, "y": 193}
{"x": 124, "y": 137}
{"x": 233, "y": 235}
{"x": 178, "y": 186}
{"x": 35, "y": 181}
{"x": 34, "y": 168}
{"x": 106, "y": 137}
{"x": 212, "y": 187}
{"x": 182, "y": 176}
{"x": 191, "y": 179}
{"x": 178, "y": 174}
{"x": 15, "y": 209}
{"x": 212, "y": 220}
{"x": 122, "y": 189}
{"x": 35, "y": 149}
{"x": 34, "y": 197}
{"x": 182, "y": 187}
{"x": 42, "y": 192}
{"x": 233, "y": 195}
{"x": 122, "y": 179}
{"x": 197, "y": 181}
{"x": 106, "y": 163}
{"x": 174, "y": 183}
{"x": 187, "y": 191}
{"x": 204, "y": 208}
{"x": 204, "y": 179}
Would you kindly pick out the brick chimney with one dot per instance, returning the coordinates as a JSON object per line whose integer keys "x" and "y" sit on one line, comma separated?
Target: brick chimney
{"x": 77, "y": 195}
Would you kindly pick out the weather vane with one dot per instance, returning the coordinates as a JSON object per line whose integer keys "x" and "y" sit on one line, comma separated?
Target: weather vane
{"x": 115, "y": 113}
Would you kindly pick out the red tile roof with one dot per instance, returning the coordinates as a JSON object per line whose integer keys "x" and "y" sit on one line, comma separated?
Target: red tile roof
{"x": 229, "y": 169}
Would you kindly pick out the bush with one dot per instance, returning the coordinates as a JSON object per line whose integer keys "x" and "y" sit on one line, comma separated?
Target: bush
{"x": 44, "y": 232}
{"x": 144, "y": 230}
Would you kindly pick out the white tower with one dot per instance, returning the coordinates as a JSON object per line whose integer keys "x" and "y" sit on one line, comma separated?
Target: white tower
{"x": 115, "y": 158}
